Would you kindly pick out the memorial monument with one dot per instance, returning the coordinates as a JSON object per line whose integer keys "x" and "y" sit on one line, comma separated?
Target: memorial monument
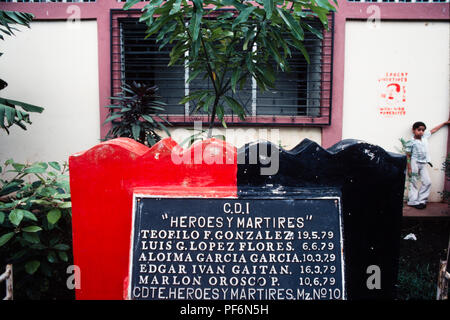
{"x": 215, "y": 223}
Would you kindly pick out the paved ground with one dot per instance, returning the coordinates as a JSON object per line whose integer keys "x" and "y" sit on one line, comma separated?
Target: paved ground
{"x": 433, "y": 209}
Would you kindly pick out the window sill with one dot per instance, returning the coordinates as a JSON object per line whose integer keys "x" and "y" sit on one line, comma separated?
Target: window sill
{"x": 179, "y": 120}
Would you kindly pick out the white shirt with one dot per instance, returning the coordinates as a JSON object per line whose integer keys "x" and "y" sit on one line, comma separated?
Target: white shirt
{"x": 419, "y": 148}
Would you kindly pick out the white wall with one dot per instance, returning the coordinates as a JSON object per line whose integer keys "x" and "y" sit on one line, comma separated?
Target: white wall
{"x": 288, "y": 138}
{"x": 422, "y": 50}
{"x": 53, "y": 65}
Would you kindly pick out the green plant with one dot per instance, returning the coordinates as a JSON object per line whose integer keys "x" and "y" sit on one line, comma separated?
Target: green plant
{"x": 137, "y": 114}
{"x": 230, "y": 41}
{"x": 9, "y": 18}
{"x": 416, "y": 283}
{"x": 446, "y": 167}
{"x": 35, "y": 227}
{"x": 10, "y": 114}
{"x": 199, "y": 136}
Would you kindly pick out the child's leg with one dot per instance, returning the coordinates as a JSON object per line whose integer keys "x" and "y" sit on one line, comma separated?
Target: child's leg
{"x": 425, "y": 188}
{"x": 413, "y": 191}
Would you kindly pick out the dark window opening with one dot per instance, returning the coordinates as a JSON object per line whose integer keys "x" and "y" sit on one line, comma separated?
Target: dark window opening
{"x": 301, "y": 96}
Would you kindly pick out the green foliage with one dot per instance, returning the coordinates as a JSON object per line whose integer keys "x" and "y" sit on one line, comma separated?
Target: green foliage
{"x": 231, "y": 41}
{"x": 404, "y": 143}
{"x": 137, "y": 114}
{"x": 417, "y": 282}
{"x": 10, "y": 114}
{"x": 9, "y": 18}
{"x": 35, "y": 227}
{"x": 200, "y": 135}
{"x": 446, "y": 167}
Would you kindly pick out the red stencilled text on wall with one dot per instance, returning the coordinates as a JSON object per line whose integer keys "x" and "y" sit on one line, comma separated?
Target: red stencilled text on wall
{"x": 392, "y": 87}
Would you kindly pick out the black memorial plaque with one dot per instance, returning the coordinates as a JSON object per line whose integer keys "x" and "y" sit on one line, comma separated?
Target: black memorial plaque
{"x": 371, "y": 181}
{"x": 279, "y": 248}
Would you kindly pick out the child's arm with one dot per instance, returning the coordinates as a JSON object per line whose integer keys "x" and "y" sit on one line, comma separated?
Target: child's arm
{"x": 439, "y": 126}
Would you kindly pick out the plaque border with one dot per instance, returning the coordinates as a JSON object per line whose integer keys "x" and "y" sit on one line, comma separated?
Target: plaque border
{"x": 291, "y": 193}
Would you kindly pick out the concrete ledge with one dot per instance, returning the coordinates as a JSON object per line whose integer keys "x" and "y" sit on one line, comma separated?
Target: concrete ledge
{"x": 433, "y": 209}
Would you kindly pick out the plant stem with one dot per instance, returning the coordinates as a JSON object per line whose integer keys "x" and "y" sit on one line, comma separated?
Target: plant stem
{"x": 211, "y": 76}
{"x": 213, "y": 115}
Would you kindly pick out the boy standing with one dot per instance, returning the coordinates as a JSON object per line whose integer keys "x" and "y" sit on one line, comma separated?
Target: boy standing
{"x": 418, "y": 157}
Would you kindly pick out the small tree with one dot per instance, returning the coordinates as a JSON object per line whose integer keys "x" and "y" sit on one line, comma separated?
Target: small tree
{"x": 230, "y": 46}
{"x": 137, "y": 110}
{"x": 10, "y": 114}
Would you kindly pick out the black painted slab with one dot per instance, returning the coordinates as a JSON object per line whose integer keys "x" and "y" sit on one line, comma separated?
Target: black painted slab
{"x": 372, "y": 184}
{"x": 303, "y": 228}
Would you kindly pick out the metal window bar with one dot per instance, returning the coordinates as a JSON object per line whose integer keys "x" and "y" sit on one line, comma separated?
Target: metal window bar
{"x": 301, "y": 97}
{"x": 7, "y": 276}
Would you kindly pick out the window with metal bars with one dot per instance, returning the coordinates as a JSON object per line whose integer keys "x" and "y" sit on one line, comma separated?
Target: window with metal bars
{"x": 301, "y": 96}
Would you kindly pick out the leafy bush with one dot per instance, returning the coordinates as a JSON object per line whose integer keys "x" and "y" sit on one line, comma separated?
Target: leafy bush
{"x": 35, "y": 227}
{"x": 10, "y": 114}
{"x": 137, "y": 114}
{"x": 245, "y": 40}
{"x": 417, "y": 282}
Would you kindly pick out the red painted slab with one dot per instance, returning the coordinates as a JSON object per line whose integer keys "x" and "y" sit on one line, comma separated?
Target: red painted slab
{"x": 102, "y": 181}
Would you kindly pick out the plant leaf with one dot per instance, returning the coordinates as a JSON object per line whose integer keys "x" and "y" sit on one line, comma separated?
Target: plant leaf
{"x": 32, "y": 229}
{"x": 32, "y": 266}
{"x": 111, "y": 118}
{"x": 55, "y": 165}
{"x": 29, "y": 215}
{"x": 268, "y": 7}
{"x": 130, "y": 3}
{"x": 235, "y": 106}
{"x": 61, "y": 246}
{"x": 31, "y": 237}
{"x": 148, "y": 118}
{"x": 5, "y": 238}
{"x": 65, "y": 205}
{"x": 51, "y": 257}
{"x": 16, "y": 216}
{"x": 194, "y": 25}
{"x": 136, "y": 130}
{"x": 53, "y": 216}
{"x": 63, "y": 256}
{"x": 243, "y": 16}
{"x": 291, "y": 23}
{"x": 36, "y": 168}
{"x": 176, "y": 7}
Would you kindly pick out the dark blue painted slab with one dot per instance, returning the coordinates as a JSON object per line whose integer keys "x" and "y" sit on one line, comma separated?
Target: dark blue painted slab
{"x": 282, "y": 245}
